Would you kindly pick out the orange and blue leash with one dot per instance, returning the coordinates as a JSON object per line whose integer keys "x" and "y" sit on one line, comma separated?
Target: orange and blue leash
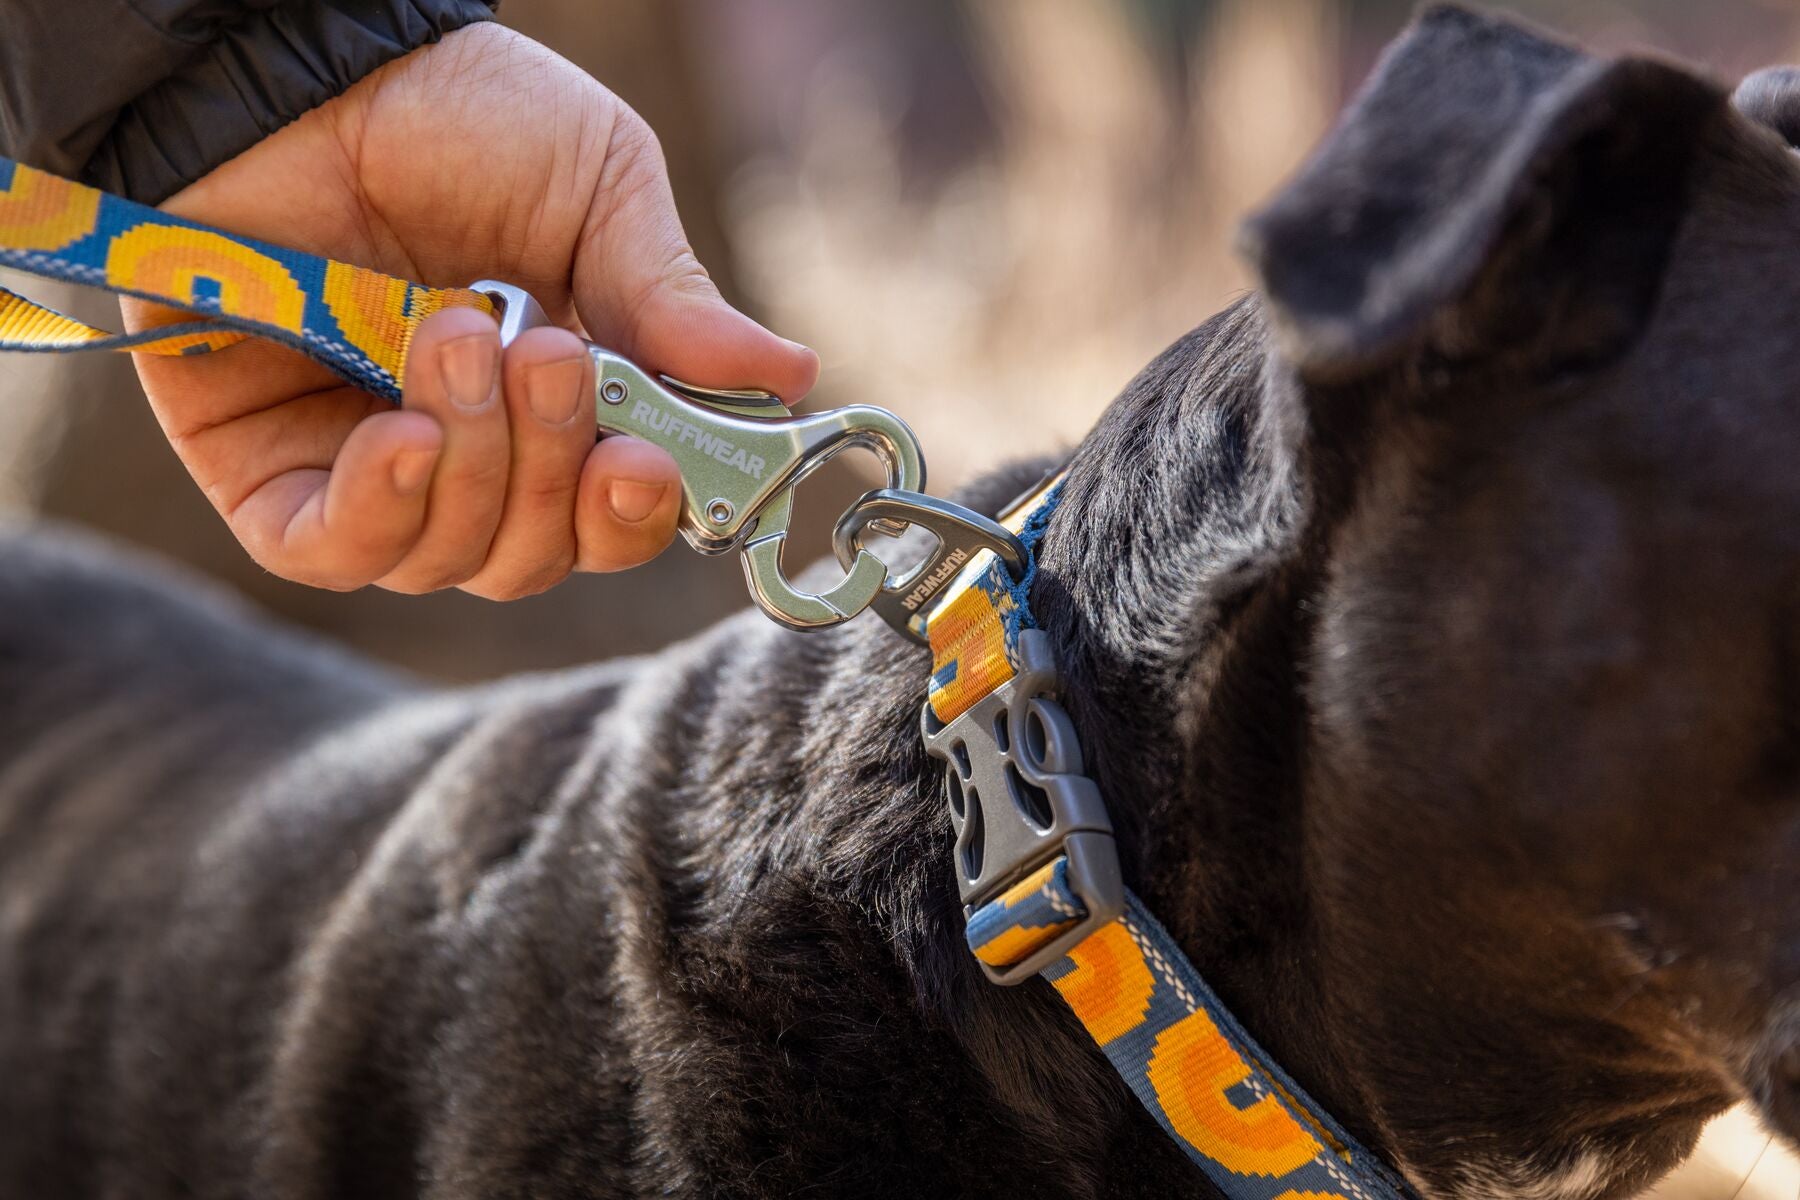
{"x": 358, "y": 322}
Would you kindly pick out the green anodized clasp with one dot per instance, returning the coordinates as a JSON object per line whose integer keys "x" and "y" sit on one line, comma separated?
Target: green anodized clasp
{"x": 741, "y": 453}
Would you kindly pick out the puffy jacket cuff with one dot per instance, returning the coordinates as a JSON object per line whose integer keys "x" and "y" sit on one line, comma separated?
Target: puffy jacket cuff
{"x": 251, "y": 78}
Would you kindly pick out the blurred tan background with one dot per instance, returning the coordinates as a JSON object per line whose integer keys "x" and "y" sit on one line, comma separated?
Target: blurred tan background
{"x": 985, "y": 214}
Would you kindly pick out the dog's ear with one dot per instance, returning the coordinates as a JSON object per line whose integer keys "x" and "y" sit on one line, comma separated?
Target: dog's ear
{"x": 1771, "y": 97}
{"x": 1489, "y": 191}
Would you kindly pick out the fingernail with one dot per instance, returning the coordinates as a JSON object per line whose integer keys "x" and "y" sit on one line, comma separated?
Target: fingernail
{"x": 632, "y": 501}
{"x": 412, "y": 468}
{"x": 468, "y": 365}
{"x": 553, "y": 390}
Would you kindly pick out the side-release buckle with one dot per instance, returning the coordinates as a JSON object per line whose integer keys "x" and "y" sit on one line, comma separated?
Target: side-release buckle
{"x": 1014, "y": 785}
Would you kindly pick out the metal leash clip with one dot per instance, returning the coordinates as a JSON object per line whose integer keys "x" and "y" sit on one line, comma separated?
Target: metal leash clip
{"x": 741, "y": 453}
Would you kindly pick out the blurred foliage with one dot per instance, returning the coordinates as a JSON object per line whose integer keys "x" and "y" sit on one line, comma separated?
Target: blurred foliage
{"x": 986, "y": 214}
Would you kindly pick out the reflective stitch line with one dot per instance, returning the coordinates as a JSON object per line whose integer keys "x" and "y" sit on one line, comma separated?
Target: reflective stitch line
{"x": 1174, "y": 1054}
{"x": 1239, "y": 1118}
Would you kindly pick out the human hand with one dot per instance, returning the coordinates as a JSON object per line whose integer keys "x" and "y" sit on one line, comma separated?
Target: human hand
{"x": 482, "y": 156}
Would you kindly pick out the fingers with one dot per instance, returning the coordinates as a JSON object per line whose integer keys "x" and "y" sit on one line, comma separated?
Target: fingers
{"x": 321, "y": 483}
{"x": 549, "y": 385}
{"x": 639, "y": 289}
{"x": 453, "y": 377}
{"x": 521, "y": 495}
{"x": 343, "y": 528}
{"x": 628, "y": 505}
{"x": 488, "y": 480}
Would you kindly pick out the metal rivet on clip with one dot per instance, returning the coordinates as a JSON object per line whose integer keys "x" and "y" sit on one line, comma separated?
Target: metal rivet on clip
{"x": 614, "y": 391}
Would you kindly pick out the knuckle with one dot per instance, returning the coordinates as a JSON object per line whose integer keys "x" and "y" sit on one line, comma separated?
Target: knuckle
{"x": 497, "y": 591}
{"x": 328, "y": 579}
{"x": 437, "y": 577}
{"x": 332, "y": 568}
{"x": 686, "y": 274}
{"x": 476, "y": 479}
{"x": 517, "y": 585}
{"x": 632, "y": 167}
{"x": 405, "y": 582}
{"x": 547, "y": 491}
{"x": 683, "y": 275}
{"x": 621, "y": 552}
{"x": 632, "y": 141}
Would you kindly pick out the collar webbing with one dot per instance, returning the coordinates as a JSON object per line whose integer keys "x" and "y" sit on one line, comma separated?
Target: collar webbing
{"x": 358, "y": 322}
{"x": 974, "y": 629}
{"x": 1253, "y": 1131}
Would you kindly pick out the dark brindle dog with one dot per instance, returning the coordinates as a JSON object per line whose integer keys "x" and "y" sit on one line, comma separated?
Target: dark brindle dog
{"x": 1432, "y": 623}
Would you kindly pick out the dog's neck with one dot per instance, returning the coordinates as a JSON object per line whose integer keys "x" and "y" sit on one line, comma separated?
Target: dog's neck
{"x": 1168, "y": 582}
{"x": 1177, "y": 581}
{"x": 1172, "y": 583}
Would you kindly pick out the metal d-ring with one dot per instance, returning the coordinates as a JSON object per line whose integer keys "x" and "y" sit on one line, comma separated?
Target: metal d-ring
{"x": 961, "y": 533}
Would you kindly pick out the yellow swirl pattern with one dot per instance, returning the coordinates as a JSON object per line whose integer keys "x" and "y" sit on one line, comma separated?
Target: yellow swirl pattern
{"x": 378, "y": 313}
{"x": 357, "y": 322}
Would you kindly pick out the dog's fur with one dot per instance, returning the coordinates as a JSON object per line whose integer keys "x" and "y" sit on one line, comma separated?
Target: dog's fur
{"x": 1431, "y": 624}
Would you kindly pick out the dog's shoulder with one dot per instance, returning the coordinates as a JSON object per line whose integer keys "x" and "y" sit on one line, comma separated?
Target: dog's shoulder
{"x": 83, "y": 618}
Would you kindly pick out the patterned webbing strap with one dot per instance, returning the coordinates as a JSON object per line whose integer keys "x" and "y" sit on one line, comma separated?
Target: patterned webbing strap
{"x": 1253, "y": 1131}
{"x": 358, "y": 322}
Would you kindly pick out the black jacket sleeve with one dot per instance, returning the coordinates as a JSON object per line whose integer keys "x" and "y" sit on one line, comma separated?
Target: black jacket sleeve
{"x": 142, "y": 97}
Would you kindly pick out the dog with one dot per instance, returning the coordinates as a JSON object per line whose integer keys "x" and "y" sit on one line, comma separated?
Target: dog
{"x": 1430, "y": 619}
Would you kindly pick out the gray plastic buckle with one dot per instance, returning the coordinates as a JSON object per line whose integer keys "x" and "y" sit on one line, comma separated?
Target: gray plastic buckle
{"x": 1018, "y": 799}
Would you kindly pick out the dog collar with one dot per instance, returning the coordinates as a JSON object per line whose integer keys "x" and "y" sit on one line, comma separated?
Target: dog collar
{"x": 1038, "y": 872}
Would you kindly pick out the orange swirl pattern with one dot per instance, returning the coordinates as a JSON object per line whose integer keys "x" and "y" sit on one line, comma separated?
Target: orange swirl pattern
{"x": 357, "y": 322}
{"x": 378, "y": 314}
{"x": 42, "y": 212}
{"x": 1249, "y": 1128}
{"x": 1111, "y": 985}
{"x": 1192, "y": 1069}
{"x": 171, "y": 261}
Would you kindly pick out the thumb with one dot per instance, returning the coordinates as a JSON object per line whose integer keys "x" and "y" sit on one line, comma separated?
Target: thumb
{"x": 639, "y": 289}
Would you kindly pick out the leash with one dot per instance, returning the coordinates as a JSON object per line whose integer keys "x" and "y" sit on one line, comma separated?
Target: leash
{"x": 1035, "y": 861}
{"x": 741, "y": 453}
